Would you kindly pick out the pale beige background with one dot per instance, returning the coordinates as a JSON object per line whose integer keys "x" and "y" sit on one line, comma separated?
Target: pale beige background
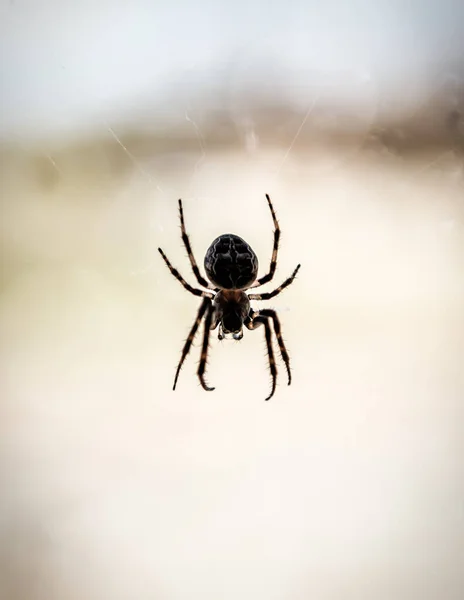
{"x": 349, "y": 484}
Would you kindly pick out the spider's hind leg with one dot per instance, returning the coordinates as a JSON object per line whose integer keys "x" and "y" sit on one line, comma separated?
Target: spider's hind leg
{"x": 275, "y": 249}
{"x": 185, "y": 238}
{"x": 269, "y": 295}
{"x": 179, "y": 278}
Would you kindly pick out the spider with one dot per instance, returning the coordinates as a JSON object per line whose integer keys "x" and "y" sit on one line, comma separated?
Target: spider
{"x": 232, "y": 267}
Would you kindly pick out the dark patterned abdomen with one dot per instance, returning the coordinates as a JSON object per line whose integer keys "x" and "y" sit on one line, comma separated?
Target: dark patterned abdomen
{"x": 231, "y": 263}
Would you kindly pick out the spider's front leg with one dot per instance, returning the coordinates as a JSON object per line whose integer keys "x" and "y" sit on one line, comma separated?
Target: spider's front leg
{"x": 253, "y": 321}
{"x": 191, "y": 336}
{"x": 267, "y": 312}
{"x": 210, "y": 323}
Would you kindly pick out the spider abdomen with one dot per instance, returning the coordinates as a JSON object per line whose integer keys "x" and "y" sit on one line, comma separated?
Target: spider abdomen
{"x": 230, "y": 263}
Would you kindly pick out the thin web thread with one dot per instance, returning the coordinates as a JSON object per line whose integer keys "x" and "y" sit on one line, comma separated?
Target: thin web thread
{"x": 297, "y": 134}
{"x": 201, "y": 142}
{"x": 134, "y": 160}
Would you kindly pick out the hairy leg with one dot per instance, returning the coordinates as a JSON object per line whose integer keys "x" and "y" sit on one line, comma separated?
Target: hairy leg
{"x": 186, "y": 349}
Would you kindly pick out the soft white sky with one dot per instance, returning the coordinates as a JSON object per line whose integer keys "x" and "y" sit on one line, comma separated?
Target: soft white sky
{"x": 69, "y": 63}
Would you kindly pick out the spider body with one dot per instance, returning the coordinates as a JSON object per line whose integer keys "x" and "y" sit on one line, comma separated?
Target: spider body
{"x": 232, "y": 308}
{"x": 232, "y": 267}
{"x": 230, "y": 263}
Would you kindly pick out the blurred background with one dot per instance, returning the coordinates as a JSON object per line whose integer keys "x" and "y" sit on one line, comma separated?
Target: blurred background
{"x": 346, "y": 485}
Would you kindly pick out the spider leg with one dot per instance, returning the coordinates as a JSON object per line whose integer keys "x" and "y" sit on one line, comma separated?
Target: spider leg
{"x": 178, "y": 276}
{"x": 186, "y": 349}
{"x": 267, "y": 312}
{"x": 185, "y": 238}
{"x": 275, "y": 248}
{"x": 252, "y": 323}
{"x": 269, "y": 295}
{"x": 204, "y": 349}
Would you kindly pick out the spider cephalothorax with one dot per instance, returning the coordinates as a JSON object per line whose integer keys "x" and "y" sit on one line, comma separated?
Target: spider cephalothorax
{"x": 232, "y": 308}
{"x": 232, "y": 266}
